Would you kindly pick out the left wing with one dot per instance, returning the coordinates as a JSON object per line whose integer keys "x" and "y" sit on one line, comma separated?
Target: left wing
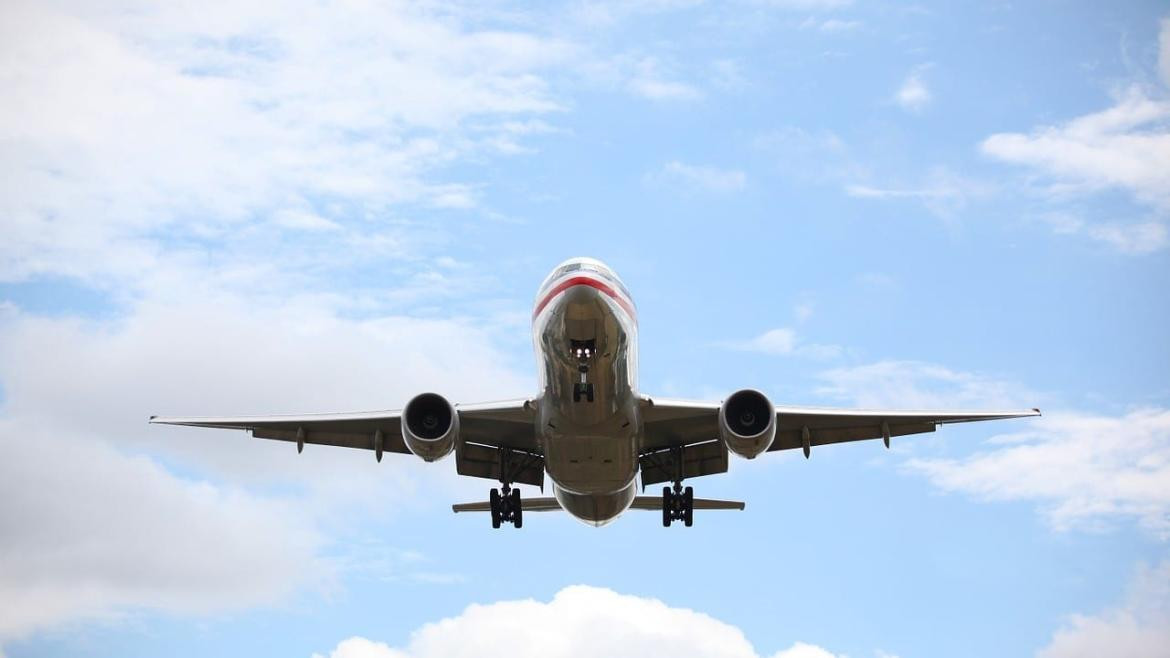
{"x": 694, "y": 427}
{"x": 507, "y": 424}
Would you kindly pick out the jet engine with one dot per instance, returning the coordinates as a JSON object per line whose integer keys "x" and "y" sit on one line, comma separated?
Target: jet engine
{"x": 747, "y": 423}
{"x": 430, "y": 426}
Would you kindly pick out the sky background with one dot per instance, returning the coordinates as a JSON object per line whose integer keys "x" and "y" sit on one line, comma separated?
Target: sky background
{"x": 325, "y": 206}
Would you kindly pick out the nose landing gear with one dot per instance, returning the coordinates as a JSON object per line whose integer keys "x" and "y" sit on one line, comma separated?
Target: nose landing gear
{"x": 583, "y": 351}
{"x": 678, "y": 505}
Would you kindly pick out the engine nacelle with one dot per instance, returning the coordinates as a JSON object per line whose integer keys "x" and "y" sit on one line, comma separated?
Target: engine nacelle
{"x": 430, "y": 426}
{"x": 747, "y": 423}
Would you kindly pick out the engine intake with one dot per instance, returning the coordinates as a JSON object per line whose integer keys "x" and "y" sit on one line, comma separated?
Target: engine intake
{"x": 430, "y": 426}
{"x": 747, "y": 423}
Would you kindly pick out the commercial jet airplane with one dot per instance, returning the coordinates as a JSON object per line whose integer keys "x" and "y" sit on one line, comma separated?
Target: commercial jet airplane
{"x": 589, "y": 429}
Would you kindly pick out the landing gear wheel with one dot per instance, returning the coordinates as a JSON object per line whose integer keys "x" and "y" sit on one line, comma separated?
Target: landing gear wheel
{"x": 495, "y": 508}
{"x": 517, "y": 510}
{"x": 667, "y": 504}
{"x": 688, "y": 505}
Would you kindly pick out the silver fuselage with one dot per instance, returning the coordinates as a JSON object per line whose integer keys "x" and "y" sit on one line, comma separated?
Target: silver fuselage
{"x": 586, "y": 318}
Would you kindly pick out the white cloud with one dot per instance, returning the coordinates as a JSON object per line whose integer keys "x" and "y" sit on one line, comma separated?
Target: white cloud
{"x": 690, "y": 177}
{"x": 783, "y": 341}
{"x": 567, "y": 626}
{"x": 919, "y": 385}
{"x": 127, "y": 120}
{"x": 1132, "y": 238}
{"x": 1164, "y": 51}
{"x": 1126, "y": 146}
{"x": 90, "y": 531}
{"x": 1083, "y": 469}
{"x": 942, "y": 192}
{"x": 1140, "y": 628}
{"x": 96, "y": 521}
{"x": 913, "y": 95}
{"x": 829, "y": 25}
{"x": 650, "y": 80}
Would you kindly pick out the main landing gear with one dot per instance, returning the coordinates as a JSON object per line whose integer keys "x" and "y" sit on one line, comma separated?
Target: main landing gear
{"x": 506, "y": 507}
{"x": 678, "y": 505}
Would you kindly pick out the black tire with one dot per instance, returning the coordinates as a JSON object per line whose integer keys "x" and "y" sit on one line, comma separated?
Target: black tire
{"x": 666, "y": 496}
{"x": 517, "y": 510}
{"x": 495, "y": 504}
{"x": 688, "y": 506}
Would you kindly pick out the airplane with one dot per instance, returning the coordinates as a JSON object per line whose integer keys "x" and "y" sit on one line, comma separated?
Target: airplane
{"x": 590, "y": 430}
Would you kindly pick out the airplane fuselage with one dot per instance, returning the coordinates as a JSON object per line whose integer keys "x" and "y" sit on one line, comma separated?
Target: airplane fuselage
{"x": 585, "y": 331}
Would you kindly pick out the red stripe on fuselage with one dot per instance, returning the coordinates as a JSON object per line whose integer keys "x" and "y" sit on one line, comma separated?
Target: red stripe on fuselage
{"x": 584, "y": 281}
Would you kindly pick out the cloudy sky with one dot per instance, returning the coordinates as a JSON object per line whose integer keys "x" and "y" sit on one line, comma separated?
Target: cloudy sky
{"x": 311, "y": 206}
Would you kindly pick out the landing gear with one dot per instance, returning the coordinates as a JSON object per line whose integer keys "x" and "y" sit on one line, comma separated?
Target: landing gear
{"x": 506, "y": 507}
{"x": 583, "y": 351}
{"x": 582, "y": 390}
{"x": 678, "y": 504}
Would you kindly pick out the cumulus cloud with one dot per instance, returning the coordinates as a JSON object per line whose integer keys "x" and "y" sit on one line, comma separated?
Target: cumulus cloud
{"x": 566, "y": 627}
{"x": 913, "y": 95}
{"x": 90, "y": 531}
{"x": 1139, "y": 628}
{"x": 96, "y": 521}
{"x": 783, "y": 341}
{"x": 710, "y": 179}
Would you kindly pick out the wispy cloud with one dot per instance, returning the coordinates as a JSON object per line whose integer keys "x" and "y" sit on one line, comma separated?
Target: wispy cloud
{"x": 710, "y": 179}
{"x": 215, "y": 119}
{"x": 1083, "y": 469}
{"x": 784, "y": 341}
{"x": 1141, "y": 237}
{"x": 942, "y": 192}
{"x": 650, "y": 80}
{"x": 829, "y": 25}
{"x": 1124, "y": 147}
{"x": 913, "y": 95}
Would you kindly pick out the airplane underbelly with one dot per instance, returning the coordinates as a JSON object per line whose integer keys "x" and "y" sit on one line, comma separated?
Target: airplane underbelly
{"x": 596, "y": 509}
{"x": 591, "y": 463}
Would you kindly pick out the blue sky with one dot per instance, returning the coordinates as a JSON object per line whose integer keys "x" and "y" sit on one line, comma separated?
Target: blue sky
{"x": 334, "y": 206}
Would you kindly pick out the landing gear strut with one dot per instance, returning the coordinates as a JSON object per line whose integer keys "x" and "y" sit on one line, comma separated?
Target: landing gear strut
{"x": 678, "y": 504}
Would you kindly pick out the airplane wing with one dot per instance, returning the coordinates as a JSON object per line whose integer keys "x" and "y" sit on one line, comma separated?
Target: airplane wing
{"x": 694, "y": 426}
{"x": 494, "y": 424}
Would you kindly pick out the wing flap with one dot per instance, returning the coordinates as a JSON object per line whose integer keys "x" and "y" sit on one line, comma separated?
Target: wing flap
{"x": 708, "y": 458}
